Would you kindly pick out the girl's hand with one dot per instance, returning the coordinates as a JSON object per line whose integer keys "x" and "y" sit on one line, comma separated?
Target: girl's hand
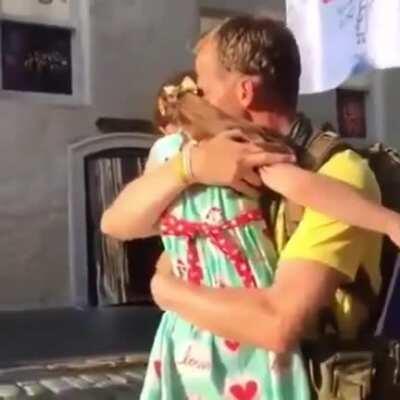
{"x": 263, "y": 171}
{"x": 229, "y": 159}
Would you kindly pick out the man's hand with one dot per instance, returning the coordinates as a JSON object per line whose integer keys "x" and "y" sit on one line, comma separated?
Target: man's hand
{"x": 229, "y": 159}
{"x": 162, "y": 284}
{"x": 163, "y": 288}
{"x": 164, "y": 264}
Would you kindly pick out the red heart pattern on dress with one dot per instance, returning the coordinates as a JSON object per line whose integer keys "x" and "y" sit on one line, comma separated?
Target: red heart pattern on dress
{"x": 246, "y": 391}
{"x": 232, "y": 345}
{"x": 157, "y": 367}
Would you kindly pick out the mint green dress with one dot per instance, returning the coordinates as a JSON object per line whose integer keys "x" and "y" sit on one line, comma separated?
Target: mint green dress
{"x": 216, "y": 237}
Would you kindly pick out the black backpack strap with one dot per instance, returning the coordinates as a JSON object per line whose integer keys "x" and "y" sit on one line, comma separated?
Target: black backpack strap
{"x": 299, "y": 135}
{"x": 318, "y": 149}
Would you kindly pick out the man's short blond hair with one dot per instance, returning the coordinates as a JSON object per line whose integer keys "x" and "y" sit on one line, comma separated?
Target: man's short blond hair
{"x": 259, "y": 46}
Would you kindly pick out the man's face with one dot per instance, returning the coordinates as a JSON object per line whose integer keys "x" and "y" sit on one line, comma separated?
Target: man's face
{"x": 220, "y": 87}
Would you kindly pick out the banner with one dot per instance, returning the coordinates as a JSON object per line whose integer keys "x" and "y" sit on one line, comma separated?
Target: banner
{"x": 338, "y": 38}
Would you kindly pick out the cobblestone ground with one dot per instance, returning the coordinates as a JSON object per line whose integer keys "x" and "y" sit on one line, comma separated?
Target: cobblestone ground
{"x": 114, "y": 378}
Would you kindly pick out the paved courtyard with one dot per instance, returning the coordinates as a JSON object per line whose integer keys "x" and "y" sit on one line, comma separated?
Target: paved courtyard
{"x": 113, "y": 378}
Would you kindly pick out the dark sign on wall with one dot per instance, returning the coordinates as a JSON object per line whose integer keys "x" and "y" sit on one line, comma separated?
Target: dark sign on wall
{"x": 36, "y": 58}
{"x": 351, "y": 113}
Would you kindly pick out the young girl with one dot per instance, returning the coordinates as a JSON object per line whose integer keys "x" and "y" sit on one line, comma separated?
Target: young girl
{"x": 218, "y": 237}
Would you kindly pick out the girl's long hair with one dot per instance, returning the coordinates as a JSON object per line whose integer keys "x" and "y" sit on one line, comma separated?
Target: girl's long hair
{"x": 200, "y": 120}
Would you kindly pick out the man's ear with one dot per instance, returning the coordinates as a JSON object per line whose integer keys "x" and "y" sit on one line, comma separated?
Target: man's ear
{"x": 247, "y": 91}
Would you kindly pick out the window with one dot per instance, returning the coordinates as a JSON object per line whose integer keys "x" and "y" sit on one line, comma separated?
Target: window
{"x": 44, "y": 50}
{"x": 36, "y": 58}
{"x": 56, "y": 10}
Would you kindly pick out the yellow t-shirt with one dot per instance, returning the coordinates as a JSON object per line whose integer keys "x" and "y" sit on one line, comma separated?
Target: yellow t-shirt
{"x": 342, "y": 247}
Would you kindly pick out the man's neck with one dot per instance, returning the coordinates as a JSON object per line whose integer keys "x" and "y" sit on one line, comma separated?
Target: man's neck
{"x": 280, "y": 122}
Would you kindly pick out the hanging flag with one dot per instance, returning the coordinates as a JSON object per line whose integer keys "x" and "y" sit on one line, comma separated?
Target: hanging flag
{"x": 338, "y": 38}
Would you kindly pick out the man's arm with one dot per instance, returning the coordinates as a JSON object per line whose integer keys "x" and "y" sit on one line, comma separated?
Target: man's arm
{"x": 321, "y": 255}
{"x": 272, "y": 318}
{"x": 222, "y": 160}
